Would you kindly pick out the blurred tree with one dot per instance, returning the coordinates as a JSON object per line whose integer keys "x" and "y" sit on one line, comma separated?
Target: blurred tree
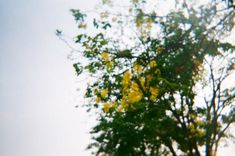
{"x": 230, "y": 3}
{"x": 159, "y": 79}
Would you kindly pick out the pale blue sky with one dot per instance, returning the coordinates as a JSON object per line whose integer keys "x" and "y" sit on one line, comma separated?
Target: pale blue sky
{"x": 37, "y": 82}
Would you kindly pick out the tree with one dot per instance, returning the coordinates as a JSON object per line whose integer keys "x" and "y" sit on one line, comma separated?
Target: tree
{"x": 230, "y": 3}
{"x": 159, "y": 80}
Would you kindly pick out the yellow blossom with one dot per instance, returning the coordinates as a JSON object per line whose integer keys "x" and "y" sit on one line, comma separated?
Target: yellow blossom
{"x": 142, "y": 82}
{"x": 157, "y": 71}
{"x": 152, "y": 98}
{"x": 137, "y": 68}
{"x": 105, "y": 56}
{"x": 109, "y": 65}
{"x": 135, "y": 94}
{"x": 104, "y": 93}
{"x": 98, "y": 100}
{"x": 134, "y": 87}
{"x": 134, "y": 97}
{"x": 149, "y": 23}
{"x": 113, "y": 104}
{"x": 126, "y": 78}
{"x": 106, "y": 107}
{"x": 154, "y": 93}
{"x": 109, "y": 105}
{"x": 152, "y": 64}
{"x": 200, "y": 132}
{"x": 123, "y": 102}
{"x": 120, "y": 109}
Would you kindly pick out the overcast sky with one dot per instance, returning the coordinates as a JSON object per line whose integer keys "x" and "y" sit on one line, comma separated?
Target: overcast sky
{"x": 37, "y": 82}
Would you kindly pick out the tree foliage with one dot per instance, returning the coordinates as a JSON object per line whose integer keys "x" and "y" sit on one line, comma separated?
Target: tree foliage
{"x": 159, "y": 79}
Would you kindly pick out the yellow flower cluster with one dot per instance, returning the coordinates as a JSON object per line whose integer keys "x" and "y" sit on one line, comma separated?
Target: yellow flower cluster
{"x": 106, "y": 107}
{"x": 109, "y": 65}
{"x": 126, "y": 79}
{"x": 137, "y": 68}
{"x": 135, "y": 94}
{"x": 142, "y": 82}
{"x": 123, "y": 104}
{"x": 105, "y": 57}
{"x": 104, "y": 93}
{"x": 120, "y": 108}
{"x": 109, "y": 105}
{"x": 131, "y": 91}
{"x": 154, "y": 93}
{"x": 98, "y": 100}
{"x": 152, "y": 64}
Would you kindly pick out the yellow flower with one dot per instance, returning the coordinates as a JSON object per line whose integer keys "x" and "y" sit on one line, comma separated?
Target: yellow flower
{"x": 149, "y": 23}
{"x": 106, "y": 107}
{"x": 134, "y": 87}
{"x": 113, "y": 104}
{"x": 157, "y": 71}
{"x": 104, "y": 93}
{"x": 120, "y": 109}
{"x": 98, "y": 100}
{"x": 154, "y": 93}
{"x": 135, "y": 94}
{"x": 126, "y": 78}
{"x": 200, "y": 132}
{"x": 142, "y": 82}
{"x": 152, "y": 98}
{"x": 134, "y": 97}
{"x": 109, "y": 65}
{"x": 137, "y": 68}
{"x": 105, "y": 56}
{"x": 152, "y": 64}
{"x": 123, "y": 102}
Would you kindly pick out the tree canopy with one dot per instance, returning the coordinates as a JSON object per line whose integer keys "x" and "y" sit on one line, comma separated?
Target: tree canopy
{"x": 160, "y": 76}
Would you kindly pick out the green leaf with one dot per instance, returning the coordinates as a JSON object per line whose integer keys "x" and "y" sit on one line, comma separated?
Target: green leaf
{"x": 78, "y": 68}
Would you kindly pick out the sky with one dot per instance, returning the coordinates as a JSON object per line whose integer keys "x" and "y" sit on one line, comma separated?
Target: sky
{"x": 38, "y": 86}
{"x": 37, "y": 82}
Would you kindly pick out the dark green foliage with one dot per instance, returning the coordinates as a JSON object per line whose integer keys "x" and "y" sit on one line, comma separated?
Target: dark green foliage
{"x": 78, "y": 68}
{"x": 79, "y": 17}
